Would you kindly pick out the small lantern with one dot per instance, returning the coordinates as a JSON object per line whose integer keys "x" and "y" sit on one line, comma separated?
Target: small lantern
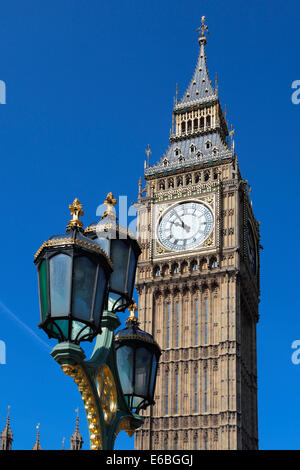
{"x": 137, "y": 358}
{"x": 123, "y": 249}
{"x": 73, "y": 277}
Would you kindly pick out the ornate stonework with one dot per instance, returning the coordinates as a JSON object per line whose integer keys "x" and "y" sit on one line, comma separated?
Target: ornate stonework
{"x": 201, "y": 305}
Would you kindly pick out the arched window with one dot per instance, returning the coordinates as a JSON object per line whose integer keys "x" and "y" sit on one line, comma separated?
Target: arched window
{"x": 170, "y": 183}
{"x": 179, "y": 181}
{"x": 162, "y": 184}
{"x": 183, "y": 127}
{"x": 192, "y": 148}
{"x": 194, "y": 265}
{"x": 213, "y": 263}
{"x": 207, "y": 121}
{"x": 189, "y": 125}
{"x": 202, "y": 122}
{"x": 195, "y": 124}
{"x": 199, "y": 155}
{"x": 176, "y": 152}
{"x": 208, "y": 144}
{"x": 206, "y": 176}
{"x": 188, "y": 179}
{"x": 175, "y": 268}
{"x": 156, "y": 271}
{"x": 197, "y": 177}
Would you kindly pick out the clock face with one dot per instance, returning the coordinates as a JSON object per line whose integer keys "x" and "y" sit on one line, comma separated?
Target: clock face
{"x": 185, "y": 226}
{"x": 251, "y": 248}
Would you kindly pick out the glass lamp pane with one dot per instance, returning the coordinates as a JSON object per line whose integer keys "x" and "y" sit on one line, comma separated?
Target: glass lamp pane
{"x": 101, "y": 284}
{"x": 119, "y": 257}
{"x": 60, "y": 284}
{"x": 43, "y": 289}
{"x": 153, "y": 375}
{"x": 131, "y": 272}
{"x": 142, "y": 371}
{"x": 84, "y": 271}
{"x": 79, "y": 330}
{"x": 125, "y": 368}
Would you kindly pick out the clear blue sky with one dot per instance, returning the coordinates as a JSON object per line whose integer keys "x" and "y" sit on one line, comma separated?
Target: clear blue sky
{"x": 89, "y": 85}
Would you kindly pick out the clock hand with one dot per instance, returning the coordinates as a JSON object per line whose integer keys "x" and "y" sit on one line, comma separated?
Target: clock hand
{"x": 183, "y": 225}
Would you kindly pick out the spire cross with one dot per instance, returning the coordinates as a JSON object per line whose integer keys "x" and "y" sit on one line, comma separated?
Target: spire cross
{"x": 203, "y": 28}
{"x": 148, "y": 153}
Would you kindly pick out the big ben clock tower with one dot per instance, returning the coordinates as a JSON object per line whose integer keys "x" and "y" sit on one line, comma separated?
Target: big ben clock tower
{"x": 198, "y": 281}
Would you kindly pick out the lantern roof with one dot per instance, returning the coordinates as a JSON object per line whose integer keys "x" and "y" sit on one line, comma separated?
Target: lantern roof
{"x": 132, "y": 330}
{"x": 108, "y": 226}
{"x": 74, "y": 236}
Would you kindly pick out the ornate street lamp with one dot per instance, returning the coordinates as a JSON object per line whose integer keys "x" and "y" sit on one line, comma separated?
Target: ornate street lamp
{"x": 73, "y": 275}
{"x": 123, "y": 249}
{"x": 137, "y": 359}
{"x": 76, "y": 277}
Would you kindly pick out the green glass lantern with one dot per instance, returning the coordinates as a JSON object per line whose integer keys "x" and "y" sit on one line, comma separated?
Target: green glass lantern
{"x": 123, "y": 249}
{"x": 73, "y": 274}
{"x": 137, "y": 357}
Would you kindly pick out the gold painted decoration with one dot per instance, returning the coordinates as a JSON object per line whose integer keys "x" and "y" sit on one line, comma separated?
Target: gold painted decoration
{"x": 109, "y": 202}
{"x": 76, "y": 212}
{"x": 107, "y": 393}
{"x": 84, "y": 387}
{"x": 125, "y": 426}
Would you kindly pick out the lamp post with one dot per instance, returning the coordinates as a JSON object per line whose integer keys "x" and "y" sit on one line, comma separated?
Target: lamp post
{"x": 85, "y": 278}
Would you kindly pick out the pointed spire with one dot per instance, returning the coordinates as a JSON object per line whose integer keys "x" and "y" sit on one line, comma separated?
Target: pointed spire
{"x": 76, "y": 438}
{"x": 37, "y": 444}
{"x": 6, "y": 435}
{"x": 200, "y": 87}
{"x": 63, "y": 443}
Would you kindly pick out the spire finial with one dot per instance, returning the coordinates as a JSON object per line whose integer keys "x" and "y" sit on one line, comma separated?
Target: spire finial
{"x": 37, "y": 445}
{"x": 132, "y": 309}
{"x": 202, "y": 29}
{"x": 76, "y": 438}
{"x": 231, "y": 133}
{"x": 176, "y": 94}
{"x": 216, "y": 84}
{"x": 76, "y": 212}
{"x": 109, "y": 202}
{"x": 148, "y": 153}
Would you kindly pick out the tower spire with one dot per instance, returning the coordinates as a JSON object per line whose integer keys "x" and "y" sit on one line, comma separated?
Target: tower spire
{"x": 200, "y": 87}
{"x": 37, "y": 444}
{"x": 6, "y": 435}
{"x": 76, "y": 438}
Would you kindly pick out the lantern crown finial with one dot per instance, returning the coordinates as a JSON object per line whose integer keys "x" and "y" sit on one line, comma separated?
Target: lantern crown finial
{"x": 132, "y": 309}
{"x": 76, "y": 212}
{"x": 109, "y": 202}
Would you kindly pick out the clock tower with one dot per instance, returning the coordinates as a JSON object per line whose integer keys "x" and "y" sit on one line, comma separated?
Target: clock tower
{"x": 198, "y": 281}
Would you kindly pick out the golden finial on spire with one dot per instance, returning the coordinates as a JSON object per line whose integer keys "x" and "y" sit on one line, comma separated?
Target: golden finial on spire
{"x": 216, "y": 84}
{"x": 132, "y": 309}
{"x": 176, "y": 93}
{"x": 76, "y": 212}
{"x": 148, "y": 153}
{"x": 203, "y": 29}
{"x": 109, "y": 202}
{"x": 231, "y": 133}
